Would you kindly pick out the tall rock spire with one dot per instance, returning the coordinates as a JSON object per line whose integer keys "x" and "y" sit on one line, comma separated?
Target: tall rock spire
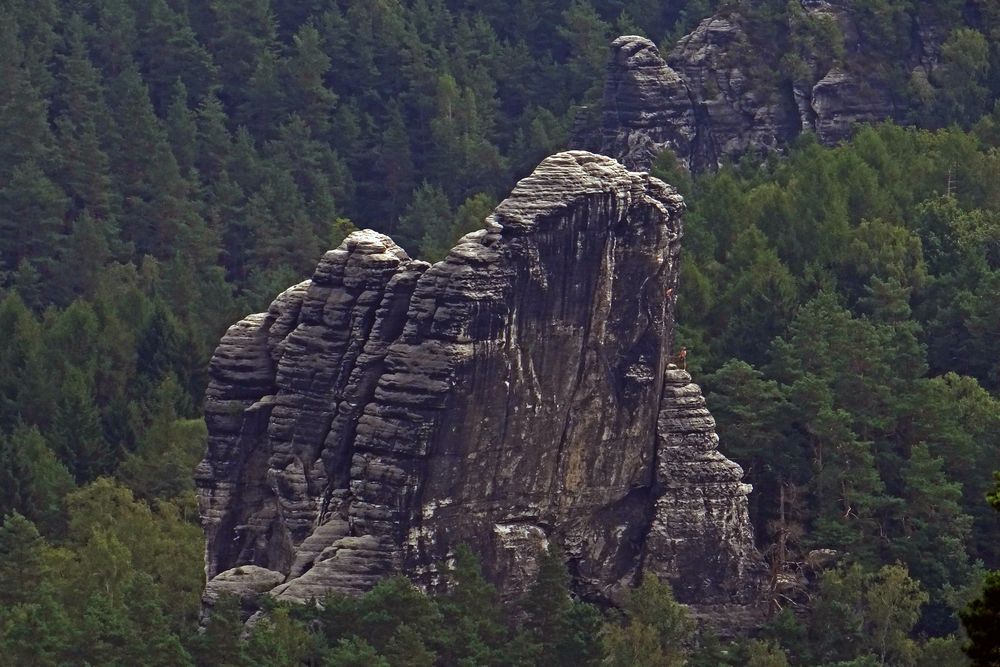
{"x": 700, "y": 537}
{"x": 509, "y": 396}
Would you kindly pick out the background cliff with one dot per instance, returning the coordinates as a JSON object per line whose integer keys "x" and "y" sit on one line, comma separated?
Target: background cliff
{"x": 749, "y": 80}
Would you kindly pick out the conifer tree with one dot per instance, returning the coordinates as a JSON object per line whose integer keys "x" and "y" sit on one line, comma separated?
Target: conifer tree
{"x": 656, "y": 631}
{"x": 306, "y": 70}
{"x": 425, "y": 228}
{"x": 22, "y": 560}
{"x": 169, "y": 51}
{"x": 219, "y": 645}
{"x": 472, "y": 614}
{"x": 32, "y": 480}
{"x": 181, "y": 128}
{"x": 981, "y": 618}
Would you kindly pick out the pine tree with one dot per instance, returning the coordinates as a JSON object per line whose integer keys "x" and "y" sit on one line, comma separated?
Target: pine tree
{"x": 562, "y": 629}
{"x": 21, "y": 371}
{"x": 935, "y": 530}
{"x": 220, "y": 645}
{"x": 354, "y": 652}
{"x": 85, "y": 128}
{"x": 427, "y": 221}
{"x": 407, "y": 648}
{"x": 32, "y": 480}
{"x": 265, "y": 107}
{"x": 76, "y": 430}
{"x": 656, "y": 632}
{"x": 181, "y": 129}
{"x": 548, "y": 603}
{"x": 306, "y": 71}
{"x": 32, "y": 227}
{"x": 981, "y": 618}
{"x": 154, "y": 193}
{"x": 169, "y": 51}
{"x": 214, "y": 143}
{"x": 473, "y": 615}
{"x": 586, "y": 37}
{"x": 471, "y": 215}
{"x": 39, "y": 633}
{"x": 25, "y": 136}
{"x": 396, "y": 164}
{"x": 116, "y": 37}
{"x": 22, "y": 560}
{"x": 246, "y": 33}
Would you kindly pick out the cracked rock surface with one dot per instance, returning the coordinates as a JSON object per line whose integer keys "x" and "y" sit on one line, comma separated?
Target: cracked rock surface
{"x": 514, "y": 394}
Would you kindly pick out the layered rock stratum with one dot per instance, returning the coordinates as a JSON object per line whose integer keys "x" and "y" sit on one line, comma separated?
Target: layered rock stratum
{"x": 516, "y": 394}
{"x": 716, "y": 96}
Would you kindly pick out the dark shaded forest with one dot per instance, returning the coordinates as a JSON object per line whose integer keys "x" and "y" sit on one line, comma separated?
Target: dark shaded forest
{"x": 167, "y": 166}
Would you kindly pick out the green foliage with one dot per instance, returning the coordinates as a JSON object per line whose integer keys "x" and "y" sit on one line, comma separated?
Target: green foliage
{"x": 219, "y": 645}
{"x": 981, "y": 618}
{"x": 562, "y": 629}
{"x": 861, "y": 614}
{"x": 32, "y": 480}
{"x": 657, "y": 629}
{"x": 846, "y": 359}
{"x": 167, "y": 166}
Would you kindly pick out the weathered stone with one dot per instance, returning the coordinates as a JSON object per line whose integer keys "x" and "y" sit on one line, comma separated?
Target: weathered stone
{"x": 701, "y": 518}
{"x": 512, "y": 395}
{"x": 647, "y": 107}
{"x": 246, "y": 583}
{"x": 840, "y": 100}
{"x": 716, "y": 96}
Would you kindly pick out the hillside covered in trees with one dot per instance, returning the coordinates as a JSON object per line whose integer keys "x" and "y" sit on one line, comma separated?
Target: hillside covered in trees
{"x": 168, "y": 165}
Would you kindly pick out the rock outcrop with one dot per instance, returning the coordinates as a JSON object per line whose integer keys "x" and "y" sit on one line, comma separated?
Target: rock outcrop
{"x": 516, "y": 393}
{"x": 723, "y": 92}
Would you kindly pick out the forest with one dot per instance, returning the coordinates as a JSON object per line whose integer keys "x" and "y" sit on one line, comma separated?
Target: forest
{"x": 167, "y": 166}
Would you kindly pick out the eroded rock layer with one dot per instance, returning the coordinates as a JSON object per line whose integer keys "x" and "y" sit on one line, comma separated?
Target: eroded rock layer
{"x": 386, "y": 410}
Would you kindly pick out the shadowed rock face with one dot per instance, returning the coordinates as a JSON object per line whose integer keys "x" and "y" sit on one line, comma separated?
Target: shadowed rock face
{"x": 515, "y": 394}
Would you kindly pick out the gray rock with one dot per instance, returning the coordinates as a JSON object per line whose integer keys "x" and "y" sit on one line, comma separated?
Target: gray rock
{"x": 246, "y": 582}
{"x": 647, "y": 107}
{"x": 715, "y": 97}
{"x": 513, "y": 395}
{"x": 700, "y": 518}
{"x": 840, "y": 100}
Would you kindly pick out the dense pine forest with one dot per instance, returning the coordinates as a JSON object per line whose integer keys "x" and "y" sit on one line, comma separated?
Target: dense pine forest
{"x": 167, "y": 166}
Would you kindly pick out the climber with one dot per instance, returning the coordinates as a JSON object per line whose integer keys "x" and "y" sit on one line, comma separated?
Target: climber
{"x": 682, "y": 358}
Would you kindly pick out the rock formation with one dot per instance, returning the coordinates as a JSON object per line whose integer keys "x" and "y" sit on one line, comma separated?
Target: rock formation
{"x": 514, "y": 394}
{"x": 719, "y": 96}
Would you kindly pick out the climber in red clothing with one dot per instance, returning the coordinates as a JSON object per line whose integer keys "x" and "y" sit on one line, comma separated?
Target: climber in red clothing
{"x": 682, "y": 358}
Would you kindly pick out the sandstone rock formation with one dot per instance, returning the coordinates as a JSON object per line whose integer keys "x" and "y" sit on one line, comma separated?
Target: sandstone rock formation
{"x": 716, "y": 97}
{"x": 514, "y": 394}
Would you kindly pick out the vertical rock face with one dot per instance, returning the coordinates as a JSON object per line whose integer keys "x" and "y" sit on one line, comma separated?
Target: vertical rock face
{"x": 721, "y": 92}
{"x": 515, "y": 394}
